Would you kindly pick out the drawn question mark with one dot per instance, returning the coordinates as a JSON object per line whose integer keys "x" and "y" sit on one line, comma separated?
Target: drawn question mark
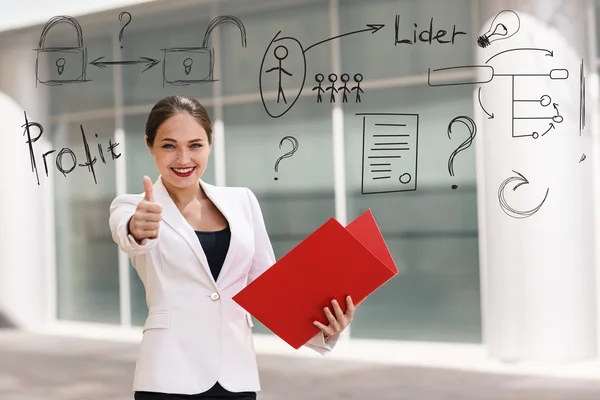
{"x": 289, "y": 153}
{"x": 123, "y": 28}
{"x": 464, "y": 145}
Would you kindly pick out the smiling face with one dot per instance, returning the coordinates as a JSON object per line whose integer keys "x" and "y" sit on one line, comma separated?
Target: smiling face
{"x": 180, "y": 150}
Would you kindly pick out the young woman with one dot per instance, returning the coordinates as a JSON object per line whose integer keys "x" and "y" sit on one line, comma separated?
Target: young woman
{"x": 194, "y": 246}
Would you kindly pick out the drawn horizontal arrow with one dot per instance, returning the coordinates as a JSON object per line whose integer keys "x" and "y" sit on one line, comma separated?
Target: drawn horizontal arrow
{"x": 150, "y": 62}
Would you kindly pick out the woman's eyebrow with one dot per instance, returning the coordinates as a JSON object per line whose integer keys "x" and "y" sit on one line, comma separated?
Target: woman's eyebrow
{"x": 175, "y": 141}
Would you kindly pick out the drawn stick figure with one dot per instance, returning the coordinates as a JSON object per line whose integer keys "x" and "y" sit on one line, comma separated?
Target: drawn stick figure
{"x": 345, "y": 78}
{"x": 358, "y": 79}
{"x": 319, "y": 78}
{"x": 280, "y": 53}
{"x": 187, "y": 64}
{"x": 332, "y": 78}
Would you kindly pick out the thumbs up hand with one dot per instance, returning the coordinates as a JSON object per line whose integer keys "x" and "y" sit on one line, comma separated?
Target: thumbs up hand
{"x": 146, "y": 220}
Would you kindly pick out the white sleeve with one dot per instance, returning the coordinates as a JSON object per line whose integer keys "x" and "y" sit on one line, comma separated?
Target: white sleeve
{"x": 317, "y": 343}
{"x": 121, "y": 210}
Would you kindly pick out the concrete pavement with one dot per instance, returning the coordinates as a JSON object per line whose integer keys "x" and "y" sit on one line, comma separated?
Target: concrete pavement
{"x": 36, "y": 367}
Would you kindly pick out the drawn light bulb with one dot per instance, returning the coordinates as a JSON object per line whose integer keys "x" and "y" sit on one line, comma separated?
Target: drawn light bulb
{"x": 504, "y": 25}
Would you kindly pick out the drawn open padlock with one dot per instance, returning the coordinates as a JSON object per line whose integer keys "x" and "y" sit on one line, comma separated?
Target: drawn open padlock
{"x": 56, "y": 66}
{"x": 183, "y": 66}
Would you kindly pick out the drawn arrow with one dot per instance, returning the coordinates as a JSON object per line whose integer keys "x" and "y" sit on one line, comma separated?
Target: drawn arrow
{"x": 371, "y": 27}
{"x": 556, "y": 108}
{"x": 490, "y": 116}
{"x": 150, "y": 62}
{"x": 550, "y": 53}
{"x": 511, "y": 212}
{"x": 548, "y": 130}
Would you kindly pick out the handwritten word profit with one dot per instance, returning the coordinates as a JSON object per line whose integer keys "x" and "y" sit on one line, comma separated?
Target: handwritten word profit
{"x": 426, "y": 36}
{"x": 59, "y": 157}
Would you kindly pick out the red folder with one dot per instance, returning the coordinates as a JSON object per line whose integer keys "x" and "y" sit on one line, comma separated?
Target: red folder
{"x": 330, "y": 263}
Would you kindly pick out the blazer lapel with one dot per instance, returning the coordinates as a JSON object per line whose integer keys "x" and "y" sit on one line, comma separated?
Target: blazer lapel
{"x": 215, "y": 195}
{"x": 173, "y": 217}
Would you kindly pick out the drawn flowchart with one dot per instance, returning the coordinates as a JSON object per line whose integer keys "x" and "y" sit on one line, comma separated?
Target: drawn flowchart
{"x": 524, "y": 118}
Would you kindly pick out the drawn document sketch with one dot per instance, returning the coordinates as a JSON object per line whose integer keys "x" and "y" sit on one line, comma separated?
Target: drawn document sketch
{"x": 390, "y": 148}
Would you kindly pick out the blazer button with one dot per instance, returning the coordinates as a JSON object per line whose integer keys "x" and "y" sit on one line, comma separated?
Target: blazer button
{"x": 214, "y": 296}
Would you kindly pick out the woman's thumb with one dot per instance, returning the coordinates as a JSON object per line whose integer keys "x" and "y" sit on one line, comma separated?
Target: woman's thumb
{"x": 148, "y": 189}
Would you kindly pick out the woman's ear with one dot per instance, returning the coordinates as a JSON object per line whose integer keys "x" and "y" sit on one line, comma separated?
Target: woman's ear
{"x": 148, "y": 144}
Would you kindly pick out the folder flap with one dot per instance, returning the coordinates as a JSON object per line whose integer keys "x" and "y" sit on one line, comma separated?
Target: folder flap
{"x": 365, "y": 230}
{"x": 329, "y": 264}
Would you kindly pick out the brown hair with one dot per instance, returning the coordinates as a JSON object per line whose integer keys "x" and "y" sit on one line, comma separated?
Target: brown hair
{"x": 173, "y": 105}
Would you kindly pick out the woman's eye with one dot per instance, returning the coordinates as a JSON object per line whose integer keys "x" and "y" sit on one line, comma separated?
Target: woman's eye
{"x": 170, "y": 146}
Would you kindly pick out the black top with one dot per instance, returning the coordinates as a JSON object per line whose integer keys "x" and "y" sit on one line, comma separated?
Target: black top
{"x": 215, "y": 245}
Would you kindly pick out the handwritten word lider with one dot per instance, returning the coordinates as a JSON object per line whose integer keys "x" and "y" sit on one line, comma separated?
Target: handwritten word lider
{"x": 65, "y": 150}
{"x": 427, "y": 35}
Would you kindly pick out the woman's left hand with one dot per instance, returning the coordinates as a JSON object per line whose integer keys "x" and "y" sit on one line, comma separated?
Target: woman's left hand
{"x": 339, "y": 321}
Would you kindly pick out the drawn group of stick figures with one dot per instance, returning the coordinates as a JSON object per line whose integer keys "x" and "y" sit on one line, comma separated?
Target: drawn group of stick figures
{"x": 345, "y": 78}
{"x": 281, "y": 53}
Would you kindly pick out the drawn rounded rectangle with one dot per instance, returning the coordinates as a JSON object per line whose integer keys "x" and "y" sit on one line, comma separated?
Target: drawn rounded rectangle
{"x": 559, "y": 74}
{"x": 442, "y": 76}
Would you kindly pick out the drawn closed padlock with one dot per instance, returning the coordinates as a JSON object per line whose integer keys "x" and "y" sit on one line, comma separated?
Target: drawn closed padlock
{"x": 183, "y": 66}
{"x": 58, "y": 65}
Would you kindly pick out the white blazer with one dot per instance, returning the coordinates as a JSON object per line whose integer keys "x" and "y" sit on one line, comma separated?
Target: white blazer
{"x": 195, "y": 334}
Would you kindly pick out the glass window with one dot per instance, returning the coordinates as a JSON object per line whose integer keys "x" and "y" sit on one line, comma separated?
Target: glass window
{"x": 71, "y": 65}
{"x": 87, "y": 259}
{"x": 436, "y": 295}
{"x": 378, "y": 56}
{"x": 139, "y": 162}
{"x": 182, "y": 42}
{"x": 597, "y": 17}
{"x": 431, "y": 232}
{"x": 241, "y": 67}
{"x": 302, "y": 198}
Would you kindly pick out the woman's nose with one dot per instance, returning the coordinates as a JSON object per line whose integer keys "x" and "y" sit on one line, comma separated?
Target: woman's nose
{"x": 183, "y": 156}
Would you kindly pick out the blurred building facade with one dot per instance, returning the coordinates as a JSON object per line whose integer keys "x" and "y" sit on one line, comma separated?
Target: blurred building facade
{"x": 60, "y": 269}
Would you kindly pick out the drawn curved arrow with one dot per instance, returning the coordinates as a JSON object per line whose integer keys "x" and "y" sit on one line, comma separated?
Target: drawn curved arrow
{"x": 550, "y": 53}
{"x": 551, "y": 127}
{"x": 511, "y": 212}
{"x": 490, "y": 116}
{"x": 371, "y": 28}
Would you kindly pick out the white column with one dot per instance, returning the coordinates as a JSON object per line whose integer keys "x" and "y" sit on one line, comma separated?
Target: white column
{"x": 538, "y": 268}
{"x": 593, "y": 110}
{"x": 218, "y": 158}
{"x": 337, "y": 128}
{"x": 24, "y": 221}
